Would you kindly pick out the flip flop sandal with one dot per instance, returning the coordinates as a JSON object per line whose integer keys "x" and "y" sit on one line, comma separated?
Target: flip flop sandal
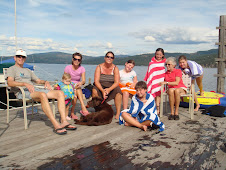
{"x": 69, "y": 128}
{"x": 59, "y": 133}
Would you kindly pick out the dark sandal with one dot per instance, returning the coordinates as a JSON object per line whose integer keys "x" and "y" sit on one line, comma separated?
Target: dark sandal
{"x": 176, "y": 117}
{"x": 171, "y": 117}
{"x": 59, "y": 133}
{"x": 69, "y": 128}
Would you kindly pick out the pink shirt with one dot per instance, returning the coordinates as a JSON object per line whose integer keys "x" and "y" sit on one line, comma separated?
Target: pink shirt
{"x": 171, "y": 77}
{"x": 75, "y": 74}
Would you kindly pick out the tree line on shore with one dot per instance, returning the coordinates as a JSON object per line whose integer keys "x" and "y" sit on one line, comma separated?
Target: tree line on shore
{"x": 205, "y": 58}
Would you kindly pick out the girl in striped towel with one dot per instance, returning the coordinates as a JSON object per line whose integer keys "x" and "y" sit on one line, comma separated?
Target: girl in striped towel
{"x": 156, "y": 74}
{"x": 196, "y": 72}
{"x": 128, "y": 80}
{"x": 142, "y": 112}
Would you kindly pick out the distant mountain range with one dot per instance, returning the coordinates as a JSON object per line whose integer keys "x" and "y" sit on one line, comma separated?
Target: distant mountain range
{"x": 205, "y": 58}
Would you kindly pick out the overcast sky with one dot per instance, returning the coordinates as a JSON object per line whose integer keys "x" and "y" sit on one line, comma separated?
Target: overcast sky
{"x": 93, "y": 27}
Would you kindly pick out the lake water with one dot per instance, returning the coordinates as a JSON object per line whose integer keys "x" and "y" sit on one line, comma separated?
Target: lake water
{"x": 53, "y": 72}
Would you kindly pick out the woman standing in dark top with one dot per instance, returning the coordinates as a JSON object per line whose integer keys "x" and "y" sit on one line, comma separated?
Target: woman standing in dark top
{"x": 106, "y": 81}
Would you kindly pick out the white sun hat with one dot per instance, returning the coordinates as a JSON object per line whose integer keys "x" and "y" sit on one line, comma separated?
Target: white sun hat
{"x": 21, "y": 52}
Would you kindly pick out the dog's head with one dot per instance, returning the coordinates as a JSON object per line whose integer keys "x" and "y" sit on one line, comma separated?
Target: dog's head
{"x": 96, "y": 101}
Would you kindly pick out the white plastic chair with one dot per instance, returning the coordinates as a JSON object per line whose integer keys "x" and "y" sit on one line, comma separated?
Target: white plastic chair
{"x": 190, "y": 87}
{"x": 24, "y": 101}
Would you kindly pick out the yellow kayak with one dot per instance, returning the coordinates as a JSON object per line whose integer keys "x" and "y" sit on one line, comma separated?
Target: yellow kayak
{"x": 209, "y": 99}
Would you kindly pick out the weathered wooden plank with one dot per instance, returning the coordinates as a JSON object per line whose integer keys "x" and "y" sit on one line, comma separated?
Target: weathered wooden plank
{"x": 31, "y": 148}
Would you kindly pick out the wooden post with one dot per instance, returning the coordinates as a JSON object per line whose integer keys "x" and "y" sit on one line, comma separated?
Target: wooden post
{"x": 221, "y": 55}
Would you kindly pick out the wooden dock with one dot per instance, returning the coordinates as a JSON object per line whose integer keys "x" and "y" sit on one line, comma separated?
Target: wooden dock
{"x": 185, "y": 144}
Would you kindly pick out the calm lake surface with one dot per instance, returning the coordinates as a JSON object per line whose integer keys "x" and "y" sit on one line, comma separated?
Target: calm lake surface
{"x": 53, "y": 72}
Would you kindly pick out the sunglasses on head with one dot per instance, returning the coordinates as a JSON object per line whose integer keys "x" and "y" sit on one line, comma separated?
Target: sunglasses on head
{"x": 75, "y": 59}
{"x": 20, "y": 56}
{"x": 110, "y": 57}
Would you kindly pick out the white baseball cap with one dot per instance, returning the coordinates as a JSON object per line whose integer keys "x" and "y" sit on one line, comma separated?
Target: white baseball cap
{"x": 21, "y": 52}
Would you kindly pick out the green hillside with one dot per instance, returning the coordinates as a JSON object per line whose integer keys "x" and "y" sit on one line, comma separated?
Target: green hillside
{"x": 52, "y": 58}
{"x": 205, "y": 58}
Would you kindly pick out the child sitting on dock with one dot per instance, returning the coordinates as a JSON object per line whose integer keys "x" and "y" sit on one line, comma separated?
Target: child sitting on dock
{"x": 68, "y": 88}
{"x": 128, "y": 80}
{"x": 142, "y": 112}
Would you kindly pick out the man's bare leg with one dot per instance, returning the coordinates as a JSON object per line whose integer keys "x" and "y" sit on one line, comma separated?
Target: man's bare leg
{"x": 42, "y": 97}
{"x": 59, "y": 96}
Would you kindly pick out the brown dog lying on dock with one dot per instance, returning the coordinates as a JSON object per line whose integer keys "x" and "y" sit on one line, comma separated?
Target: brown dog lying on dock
{"x": 103, "y": 113}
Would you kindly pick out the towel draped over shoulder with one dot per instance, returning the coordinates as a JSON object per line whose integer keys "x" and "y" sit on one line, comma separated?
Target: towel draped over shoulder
{"x": 196, "y": 70}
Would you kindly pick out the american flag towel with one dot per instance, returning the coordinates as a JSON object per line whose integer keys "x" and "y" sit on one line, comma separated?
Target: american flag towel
{"x": 155, "y": 74}
{"x": 143, "y": 111}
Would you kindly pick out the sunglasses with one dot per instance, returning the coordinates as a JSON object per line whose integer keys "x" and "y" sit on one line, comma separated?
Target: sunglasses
{"x": 168, "y": 64}
{"x": 110, "y": 57}
{"x": 20, "y": 56}
{"x": 75, "y": 59}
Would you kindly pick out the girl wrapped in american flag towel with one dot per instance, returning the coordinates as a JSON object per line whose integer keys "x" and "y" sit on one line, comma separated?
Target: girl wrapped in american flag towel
{"x": 142, "y": 111}
{"x": 156, "y": 74}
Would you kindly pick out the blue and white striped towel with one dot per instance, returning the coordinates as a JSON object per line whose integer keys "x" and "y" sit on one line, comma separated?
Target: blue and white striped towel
{"x": 143, "y": 111}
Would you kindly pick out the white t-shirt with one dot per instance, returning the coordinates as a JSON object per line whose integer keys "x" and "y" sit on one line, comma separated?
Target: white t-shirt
{"x": 127, "y": 77}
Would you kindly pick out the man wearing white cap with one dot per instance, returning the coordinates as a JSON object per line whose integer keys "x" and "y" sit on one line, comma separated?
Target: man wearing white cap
{"x": 19, "y": 76}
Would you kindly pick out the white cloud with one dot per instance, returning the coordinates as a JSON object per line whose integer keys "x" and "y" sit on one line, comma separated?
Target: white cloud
{"x": 94, "y": 26}
{"x": 109, "y": 45}
{"x": 32, "y": 45}
{"x": 149, "y": 38}
{"x": 101, "y": 45}
{"x": 91, "y": 53}
{"x": 34, "y": 3}
{"x": 177, "y": 35}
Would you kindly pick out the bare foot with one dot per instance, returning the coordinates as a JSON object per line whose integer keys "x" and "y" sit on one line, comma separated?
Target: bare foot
{"x": 73, "y": 116}
{"x": 117, "y": 117}
{"x": 59, "y": 129}
{"x": 144, "y": 127}
{"x": 126, "y": 124}
{"x": 197, "y": 108}
{"x": 202, "y": 93}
